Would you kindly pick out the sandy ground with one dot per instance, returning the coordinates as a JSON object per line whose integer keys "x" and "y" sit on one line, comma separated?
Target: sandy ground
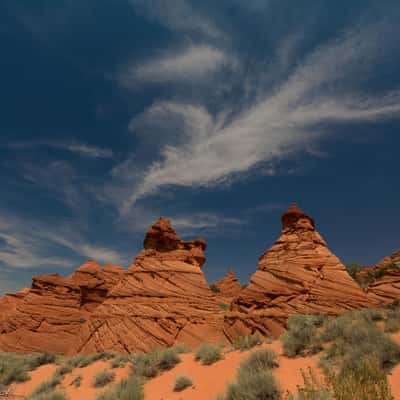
{"x": 394, "y": 377}
{"x": 85, "y": 391}
{"x": 43, "y": 373}
{"x": 209, "y": 381}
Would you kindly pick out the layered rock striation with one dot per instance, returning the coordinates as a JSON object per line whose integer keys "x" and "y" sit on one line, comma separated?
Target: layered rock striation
{"x": 52, "y": 311}
{"x": 298, "y": 274}
{"x": 162, "y": 300}
{"x": 385, "y": 279}
{"x": 227, "y": 288}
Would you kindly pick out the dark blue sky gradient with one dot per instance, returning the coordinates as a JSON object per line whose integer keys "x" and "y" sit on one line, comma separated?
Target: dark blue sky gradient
{"x": 71, "y": 156}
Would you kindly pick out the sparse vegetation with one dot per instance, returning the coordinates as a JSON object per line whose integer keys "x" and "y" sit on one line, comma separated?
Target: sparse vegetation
{"x": 79, "y": 361}
{"x": 224, "y": 306}
{"x": 260, "y": 360}
{"x": 182, "y": 348}
{"x": 47, "y": 390}
{"x": 182, "y": 383}
{"x": 381, "y": 271}
{"x": 127, "y": 389}
{"x": 215, "y": 288}
{"x": 353, "y": 269}
{"x": 120, "y": 360}
{"x": 247, "y": 342}
{"x": 208, "y": 354}
{"x": 77, "y": 381}
{"x": 150, "y": 364}
{"x": 15, "y": 367}
{"x": 52, "y": 395}
{"x": 301, "y": 337}
{"x": 103, "y": 378}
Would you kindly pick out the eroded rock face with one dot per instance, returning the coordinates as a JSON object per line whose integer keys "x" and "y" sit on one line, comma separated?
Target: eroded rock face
{"x": 51, "y": 313}
{"x": 386, "y": 282}
{"x": 298, "y": 274}
{"x": 163, "y": 299}
{"x": 229, "y": 287}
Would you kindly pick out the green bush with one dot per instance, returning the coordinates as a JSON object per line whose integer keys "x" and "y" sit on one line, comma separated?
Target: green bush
{"x": 150, "y": 364}
{"x": 182, "y": 348}
{"x": 254, "y": 385}
{"x": 53, "y": 395}
{"x": 301, "y": 337}
{"x": 208, "y": 354}
{"x": 120, "y": 360}
{"x": 353, "y": 268}
{"x": 103, "y": 378}
{"x": 313, "y": 389}
{"x": 260, "y": 360}
{"x": 215, "y": 288}
{"x": 224, "y": 306}
{"x": 127, "y": 389}
{"x": 77, "y": 381}
{"x": 15, "y": 367}
{"x": 392, "y": 325}
{"x": 247, "y": 342}
{"x": 182, "y": 383}
{"x": 79, "y": 361}
{"x": 355, "y": 337}
{"x": 381, "y": 271}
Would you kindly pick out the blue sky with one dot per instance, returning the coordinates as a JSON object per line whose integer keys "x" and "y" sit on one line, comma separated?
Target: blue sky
{"x": 217, "y": 115}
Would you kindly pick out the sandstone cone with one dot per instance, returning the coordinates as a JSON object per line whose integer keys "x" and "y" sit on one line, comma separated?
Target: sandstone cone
{"x": 298, "y": 274}
{"x": 163, "y": 299}
{"x": 386, "y": 287}
{"x": 51, "y": 313}
{"x": 229, "y": 287}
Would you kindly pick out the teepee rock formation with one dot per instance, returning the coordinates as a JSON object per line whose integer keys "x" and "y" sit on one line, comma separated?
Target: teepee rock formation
{"x": 229, "y": 287}
{"x": 51, "y": 312}
{"x": 386, "y": 286}
{"x": 298, "y": 274}
{"x": 162, "y": 300}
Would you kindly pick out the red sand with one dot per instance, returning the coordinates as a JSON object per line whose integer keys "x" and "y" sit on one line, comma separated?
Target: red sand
{"x": 43, "y": 373}
{"x": 209, "y": 381}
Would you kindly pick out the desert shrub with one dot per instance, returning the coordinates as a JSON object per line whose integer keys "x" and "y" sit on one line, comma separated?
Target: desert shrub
{"x": 182, "y": 383}
{"x": 150, "y": 364}
{"x": 368, "y": 382}
{"x": 381, "y": 271}
{"x": 182, "y": 348}
{"x": 215, "y": 288}
{"x": 119, "y": 360}
{"x": 254, "y": 385}
{"x": 224, "y": 306}
{"x": 208, "y": 354}
{"x": 247, "y": 342}
{"x": 77, "y": 381}
{"x": 52, "y": 395}
{"x": 103, "y": 378}
{"x": 301, "y": 337}
{"x": 355, "y": 337}
{"x": 46, "y": 388}
{"x": 127, "y": 389}
{"x": 313, "y": 388}
{"x": 15, "y": 367}
{"x": 392, "y": 325}
{"x": 79, "y": 361}
{"x": 259, "y": 361}
{"x": 372, "y": 314}
{"x": 353, "y": 268}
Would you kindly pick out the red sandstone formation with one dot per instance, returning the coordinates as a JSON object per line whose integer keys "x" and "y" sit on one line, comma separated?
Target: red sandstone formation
{"x": 229, "y": 287}
{"x": 49, "y": 316}
{"x": 163, "y": 299}
{"x": 385, "y": 277}
{"x": 298, "y": 274}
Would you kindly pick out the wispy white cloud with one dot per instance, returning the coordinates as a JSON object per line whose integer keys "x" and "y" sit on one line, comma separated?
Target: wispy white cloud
{"x": 192, "y": 63}
{"x": 80, "y": 149}
{"x": 30, "y": 244}
{"x": 178, "y": 15}
{"x": 215, "y": 148}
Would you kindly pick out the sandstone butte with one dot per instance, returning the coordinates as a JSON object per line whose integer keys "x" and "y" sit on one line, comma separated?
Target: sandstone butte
{"x": 386, "y": 288}
{"x": 163, "y": 299}
{"x": 298, "y": 274}
{"x": 229, "y": 287}
{"x": 49, "y": 314}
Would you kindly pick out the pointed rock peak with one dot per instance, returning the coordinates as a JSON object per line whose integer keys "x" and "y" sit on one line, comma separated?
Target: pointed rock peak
{"x": 295, "y": 214}
{"x": 161, "y": 236}
{"x": 230, "y": 274}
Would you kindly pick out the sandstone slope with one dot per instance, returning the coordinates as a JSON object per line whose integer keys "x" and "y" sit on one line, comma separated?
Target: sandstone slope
{"x": 229, "y": 287}
{"x": 163, "y": 299}
{"x": 298, "y": 274}
{"x": 386, "y": 282}
{"x": 51, "y": 313}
